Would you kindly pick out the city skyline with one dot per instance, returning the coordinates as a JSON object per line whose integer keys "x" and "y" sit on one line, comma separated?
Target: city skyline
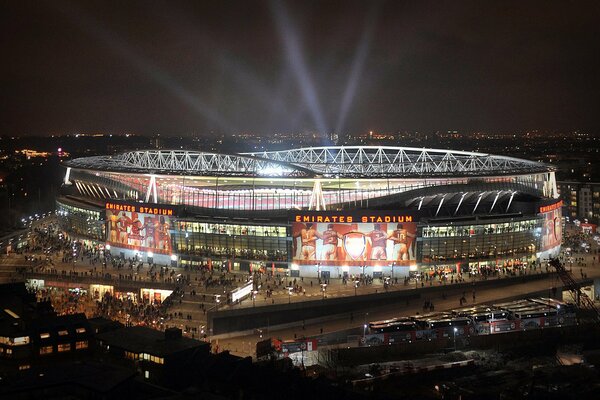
{"x": 178, "y": 68}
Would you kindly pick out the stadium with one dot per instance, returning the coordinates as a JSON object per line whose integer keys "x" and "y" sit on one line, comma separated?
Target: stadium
{"x": 319, "y": 211}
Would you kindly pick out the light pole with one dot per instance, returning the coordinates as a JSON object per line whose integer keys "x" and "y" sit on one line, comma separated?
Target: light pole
{"x": 254, "y": 292}
{"x": 455, "y": 330}
{"x": 394, "y": 263}
{"x": 217, "y": 301}
{"x": 289, "y": 294}
{"x": 355, "y": 286}
{"x": 323, "y": 288}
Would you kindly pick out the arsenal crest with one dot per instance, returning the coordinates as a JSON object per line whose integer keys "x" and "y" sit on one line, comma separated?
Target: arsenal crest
{"x": 355, "y": 244}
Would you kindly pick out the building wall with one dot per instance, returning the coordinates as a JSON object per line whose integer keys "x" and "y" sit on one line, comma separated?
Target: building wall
{"x": 582, "y": 200}
{"x": 81, "y": 221}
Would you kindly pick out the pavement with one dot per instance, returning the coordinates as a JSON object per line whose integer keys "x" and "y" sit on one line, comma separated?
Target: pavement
{"x": 196, "y": 305}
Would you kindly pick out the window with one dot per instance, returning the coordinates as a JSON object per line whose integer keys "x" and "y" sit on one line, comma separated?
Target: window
{"x": 19, "y": 341}
{"x": 131, "y": 356}
{"x": 147, "y": 374}
{"x": 80, "y": 330}
{"x": 64, "y": 347}
{"x": 45, "y": 335}
{"x": 83, "y": 344}
{"x": 63, "y": 332}
{"x": 46, "y": 350}
{"x": 24, "y": 367}
{"x": 151, "y": 358}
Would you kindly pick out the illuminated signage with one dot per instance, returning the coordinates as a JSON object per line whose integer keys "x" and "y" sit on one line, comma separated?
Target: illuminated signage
{"x": 375, "y": 238}
{"x": 551, "y": 207}
{"x": 139, "y": 227}
{"x": 351, "y": 218}
{"x": 241, "y": 292}
{"x": 140, "y": 208}
{"x": 295, "y": 347}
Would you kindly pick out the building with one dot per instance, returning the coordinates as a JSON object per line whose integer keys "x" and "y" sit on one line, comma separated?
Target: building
{"x": 162, "y": 357}
{"x": 32, "y": 334}
{"x": 581, "y": 200}
{"x": 326, "y": 211}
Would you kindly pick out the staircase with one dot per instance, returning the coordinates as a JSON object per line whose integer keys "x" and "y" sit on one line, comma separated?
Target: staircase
{"x": 583, "y": 301}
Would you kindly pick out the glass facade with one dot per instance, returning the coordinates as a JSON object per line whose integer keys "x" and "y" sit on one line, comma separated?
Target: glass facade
{"x": 81, "y": 221}
{"x": 484, "y": 241}
{"x": 249, "y": 242}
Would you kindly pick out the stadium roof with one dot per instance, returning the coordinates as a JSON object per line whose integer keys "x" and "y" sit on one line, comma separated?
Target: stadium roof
{"x": 335, "y": 161}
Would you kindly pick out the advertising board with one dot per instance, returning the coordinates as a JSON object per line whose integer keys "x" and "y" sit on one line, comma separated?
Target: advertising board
{"x": 354, "y": 239}
{"x": 139, "y": 227}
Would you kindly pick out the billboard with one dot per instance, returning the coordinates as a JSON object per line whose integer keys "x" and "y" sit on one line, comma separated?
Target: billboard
{"x": 552, "y": 226}
{"x": 139, "y": 227}
{"x": 354, "y": 240}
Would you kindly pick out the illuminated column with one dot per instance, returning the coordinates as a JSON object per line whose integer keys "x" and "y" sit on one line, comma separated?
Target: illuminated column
{"x": 440, "y": 206}
{"x": 151, "y": 190}
{"x": 67, "y": 176}
{"x": 462, "y": 197}
{"x": 510, "y": 201}
{"x": 477, "y": 204}
{"x": 495, "y": 200}
{"x": 317, "y": 201}
{"x": 553, "y": 188}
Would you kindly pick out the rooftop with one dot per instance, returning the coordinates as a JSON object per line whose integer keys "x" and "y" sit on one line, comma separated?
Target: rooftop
{"x": 328, "y": 162}
{"x": 139, "y": 339}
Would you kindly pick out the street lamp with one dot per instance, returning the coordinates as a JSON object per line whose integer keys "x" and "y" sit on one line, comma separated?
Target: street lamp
{"x": 356, "y": 282}
{"x": 289, "y": 294}
{"x": 217, "y": 301}
{"x": 323, "y": 288}
{"x": 254, "y": 292}
{"x": 455, "y": 330}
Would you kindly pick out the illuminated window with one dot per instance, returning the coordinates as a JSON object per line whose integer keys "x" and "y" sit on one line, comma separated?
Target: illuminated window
{"x": 63, "y": 332}
{"x": 8, "y": 351}
{"x": 83, "y": 344}
{"x": 24, "y": 367}
{"x": 131, "y": 356}
{"x": 80, "y": 330}
{"x": 46, "y": 350}
{"x": 151, "y": 358}
{"x": 64, "y": 347}
{"x": 19, "y": 341}
{"x": 44, "y": 335}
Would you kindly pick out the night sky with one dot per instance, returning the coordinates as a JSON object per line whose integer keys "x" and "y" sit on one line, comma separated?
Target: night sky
{"x": 243, "y": 66}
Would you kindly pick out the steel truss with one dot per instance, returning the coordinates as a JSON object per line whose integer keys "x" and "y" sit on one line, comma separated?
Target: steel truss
{"x": 378, "y": 161}
{"x": 349, "y": 162}
{"x": 190, "y": 162}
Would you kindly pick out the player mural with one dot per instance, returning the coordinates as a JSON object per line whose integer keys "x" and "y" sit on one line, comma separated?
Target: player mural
{"x": 354, "y": 243}
{"x": 552, "y": 227}
{"x": 143, "y": 231}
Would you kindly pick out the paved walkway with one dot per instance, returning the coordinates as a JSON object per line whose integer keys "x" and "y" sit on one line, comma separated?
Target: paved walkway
{"x": 245, "y": 345}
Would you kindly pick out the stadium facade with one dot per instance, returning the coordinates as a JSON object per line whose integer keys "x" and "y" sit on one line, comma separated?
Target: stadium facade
{"x": 319, "y": 211}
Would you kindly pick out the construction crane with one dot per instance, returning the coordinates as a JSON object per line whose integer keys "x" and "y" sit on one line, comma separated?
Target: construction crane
{"x": 583, "y": 300}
